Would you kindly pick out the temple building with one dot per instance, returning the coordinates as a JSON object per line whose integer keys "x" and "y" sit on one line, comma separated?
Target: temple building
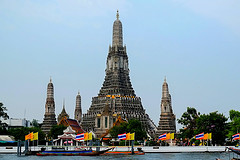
{"x": 167, "y": 122}
{"x": 73, "y": 123}
{"x": 116, "y": 96}
{"x": 49, "y": 116}
{"x": 63, "y": 113}
{"x": 78, "y": 109}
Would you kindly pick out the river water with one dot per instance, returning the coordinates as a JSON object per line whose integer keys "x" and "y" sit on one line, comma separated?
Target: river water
{"x": 147, "y": 156}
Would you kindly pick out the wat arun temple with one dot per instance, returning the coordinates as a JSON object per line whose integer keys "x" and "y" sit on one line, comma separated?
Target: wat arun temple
{"x": 117, "y": 97}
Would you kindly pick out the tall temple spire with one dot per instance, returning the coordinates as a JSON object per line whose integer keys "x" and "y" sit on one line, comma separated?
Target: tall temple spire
{"x": 50, "y": 90}
{"x": 116, "y": 96}
{"x": 78, "y": 109}
{"x": 49, "y": 116}
{"x": 117, "y": 39}
{"x": 165, "y": 92}
{"x": 167, "y": 118}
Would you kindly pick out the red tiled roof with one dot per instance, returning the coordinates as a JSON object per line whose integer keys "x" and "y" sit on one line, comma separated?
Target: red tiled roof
{"x": 73, "y": 123}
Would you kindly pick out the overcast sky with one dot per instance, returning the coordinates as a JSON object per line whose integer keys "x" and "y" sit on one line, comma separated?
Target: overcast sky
{"x": 195, "y": 44}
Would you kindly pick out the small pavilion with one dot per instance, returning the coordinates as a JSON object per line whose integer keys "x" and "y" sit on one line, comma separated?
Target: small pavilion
{"x": 68, "y": 138}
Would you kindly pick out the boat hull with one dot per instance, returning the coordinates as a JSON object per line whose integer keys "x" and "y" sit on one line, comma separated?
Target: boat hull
{"x": 123, "y": 153}
{"x": 72, "y": 153}
{"x": 69, "y": 153}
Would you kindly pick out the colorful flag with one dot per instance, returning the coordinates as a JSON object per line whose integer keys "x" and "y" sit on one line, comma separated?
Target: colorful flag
{"x": 31, "y": 136}
{"x": 172, "y": 136}
{"x": 122, "y": 136}
{"x": 26, "y": 137}
{"x": 162, "y": 136}
{"x": 205, "y": 137}
{"x": 132, "y": 136}
{"x": 90, "y": 136}
{"x": 209, "y": 135}
{"x": 80, "y": 137}
{"x": 85, "y": 136}
{"x": 200, "y": 136}
{"x": 128, "y": 136}
{"x": 168, "y": 136}
{"x": 235, "y": 137}
{"x": 35, "y": 136}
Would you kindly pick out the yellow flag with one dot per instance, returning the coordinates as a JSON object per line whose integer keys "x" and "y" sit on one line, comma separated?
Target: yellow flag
{"x": 128, "y": 136}
{"x": 172, "y": 136}
{"x": 209, "y": 135}
{"x": 35, "y": 136}
{"x": 168, "y": 136}
{"x": 90, "y": 136}
{"x": 85, "y": 136}
{"x": 205, "y": 137}
{"x": 132, "y": 136}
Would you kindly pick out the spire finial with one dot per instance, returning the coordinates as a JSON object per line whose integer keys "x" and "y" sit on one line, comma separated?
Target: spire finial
{"x": 78, "y": 92}
{"x": 50, "y": 79}
{"x": 117, "y": 15}
{"x": 165, "y": 79}
{"x": 63, "y": 103}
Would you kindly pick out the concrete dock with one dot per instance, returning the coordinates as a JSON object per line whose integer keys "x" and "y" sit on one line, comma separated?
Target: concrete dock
{"x": 146, "y": 149}
{"x": 181, "y": 149}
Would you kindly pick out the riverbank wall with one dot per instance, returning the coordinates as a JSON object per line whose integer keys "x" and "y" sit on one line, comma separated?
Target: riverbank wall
{"x": 146, "y": 149}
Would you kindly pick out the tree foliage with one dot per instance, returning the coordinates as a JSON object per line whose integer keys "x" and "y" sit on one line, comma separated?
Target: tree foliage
{"x": 214, "y": 123}
{"x": 19, "y": 133}
{"x": 122, "y": 128}
{"x": 188, "y": 120}
{"x": 35, "y": 123}
{"x": 234, "y": 115}
{"x": 56, "y": 130}
{"x": 3, "y": 113}
{"x": 133, "y": 126}
{"x": 234, "y": 125}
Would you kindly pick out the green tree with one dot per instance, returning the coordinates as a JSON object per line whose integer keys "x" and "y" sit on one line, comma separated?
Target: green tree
{"x": 35, "y": 123}
{"x": 188, "y": 120}
{"x": 214, "y": 123}
{"x": 56, "y": 130}
{"x": 3, "y": 113}
{"x": 234, "y": 125}
{"x": 19, "y": 133}
{"x": 234, "y": 114}
{"x": 122, "y": 128}
{"x": 133, "y": 126}
{"x": 5, "y": 116}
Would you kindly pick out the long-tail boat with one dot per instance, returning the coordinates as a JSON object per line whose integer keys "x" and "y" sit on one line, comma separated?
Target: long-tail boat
{"x": 72, "y": 152}
{"x": 139, "y": 152}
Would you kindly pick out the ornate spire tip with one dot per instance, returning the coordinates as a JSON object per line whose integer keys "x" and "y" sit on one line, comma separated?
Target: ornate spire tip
{"x": 50, "y": 79}
{"x": 117, "y": 15}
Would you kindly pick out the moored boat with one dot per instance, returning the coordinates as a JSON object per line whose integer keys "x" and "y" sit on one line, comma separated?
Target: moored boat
{"x": 72, "y": 153}
{"x": 139, "y": 152}
{"x": 235, "y": 150}
{"x": 123, "y": 153}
